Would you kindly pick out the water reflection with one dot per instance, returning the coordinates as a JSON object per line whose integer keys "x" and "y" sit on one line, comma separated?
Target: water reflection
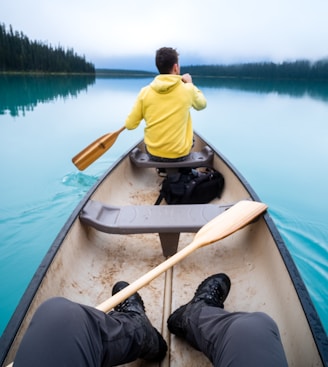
{"x": 294, "y": 88}
{"x": 20, "y": 93}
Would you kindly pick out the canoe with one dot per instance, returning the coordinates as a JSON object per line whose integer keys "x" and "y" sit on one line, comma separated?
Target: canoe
{"x": 93, "y": 251}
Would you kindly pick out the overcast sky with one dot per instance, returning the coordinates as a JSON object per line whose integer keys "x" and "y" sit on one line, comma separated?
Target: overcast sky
{"x": 128, "y": 32}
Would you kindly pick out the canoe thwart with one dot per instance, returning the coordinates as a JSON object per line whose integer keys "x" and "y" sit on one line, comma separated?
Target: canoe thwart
{"x": 148, "y": 218}
{"x": 166, "y": 220}
{"x": 203, "y": 158}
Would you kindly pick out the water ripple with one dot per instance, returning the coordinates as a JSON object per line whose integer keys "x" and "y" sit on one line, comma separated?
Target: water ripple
{"x": 79, "y": 180}
{"x": 307, "y": 243}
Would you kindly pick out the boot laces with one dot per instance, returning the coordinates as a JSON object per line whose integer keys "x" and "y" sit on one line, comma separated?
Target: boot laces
{"x": 215, "y": 294}
{"x": 133, "y": 303}
{"x": 211, "y": 292}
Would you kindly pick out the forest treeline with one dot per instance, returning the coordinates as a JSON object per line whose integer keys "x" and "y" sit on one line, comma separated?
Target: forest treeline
{"x": 18, "y": 53}
{"x": 301, "y": 69}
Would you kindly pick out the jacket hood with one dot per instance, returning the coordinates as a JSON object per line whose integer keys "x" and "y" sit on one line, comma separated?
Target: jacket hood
{"x": 164, "y": 83}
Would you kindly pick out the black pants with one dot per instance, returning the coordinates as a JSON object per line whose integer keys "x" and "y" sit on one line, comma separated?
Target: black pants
{"x": 235, "y": 339}
{"x": 64, "y": 333}
{"x": 172, "y": 160}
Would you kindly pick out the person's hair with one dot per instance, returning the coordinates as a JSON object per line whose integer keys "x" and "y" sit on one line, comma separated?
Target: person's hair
{"x": 166, "y": 57}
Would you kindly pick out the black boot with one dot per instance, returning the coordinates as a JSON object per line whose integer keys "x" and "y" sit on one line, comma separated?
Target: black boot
{"x": 154, "y": 346}
{"x": 213, "y": 291}
{"x": 132, "y": 304}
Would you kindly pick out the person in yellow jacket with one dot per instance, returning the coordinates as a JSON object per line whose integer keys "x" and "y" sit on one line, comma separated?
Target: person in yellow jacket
{"x": 165, "y": 106}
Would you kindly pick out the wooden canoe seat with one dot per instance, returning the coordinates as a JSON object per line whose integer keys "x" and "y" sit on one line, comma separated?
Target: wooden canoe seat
{"x": 166, "y": 220}
{"x": 204, "y": 158}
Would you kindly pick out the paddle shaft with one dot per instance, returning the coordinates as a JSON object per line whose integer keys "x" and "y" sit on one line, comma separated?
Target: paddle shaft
{"x": 218, "y": 228}
{"x": 96, "y": 149}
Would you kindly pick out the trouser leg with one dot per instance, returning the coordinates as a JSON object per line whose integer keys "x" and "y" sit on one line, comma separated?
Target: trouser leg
{"x": 64, "y": 333}
{"x": 236, "y": 339}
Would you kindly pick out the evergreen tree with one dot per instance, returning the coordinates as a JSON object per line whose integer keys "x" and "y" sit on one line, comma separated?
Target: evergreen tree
{"x": 18, "y": 53}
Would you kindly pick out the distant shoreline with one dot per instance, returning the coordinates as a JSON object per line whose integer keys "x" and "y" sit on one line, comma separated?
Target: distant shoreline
{"x": 122, "y": 72}
{"x": 209, "y": 72}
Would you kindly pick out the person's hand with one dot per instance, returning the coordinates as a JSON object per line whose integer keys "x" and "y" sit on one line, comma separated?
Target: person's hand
{"x": 186, "y": 78}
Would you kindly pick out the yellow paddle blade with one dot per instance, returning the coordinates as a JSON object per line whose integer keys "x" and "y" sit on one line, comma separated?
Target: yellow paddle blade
{"x": 96, "y": 149}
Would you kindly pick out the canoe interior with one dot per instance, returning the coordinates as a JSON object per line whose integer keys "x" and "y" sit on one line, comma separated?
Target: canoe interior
{"x": 89, "y": 262}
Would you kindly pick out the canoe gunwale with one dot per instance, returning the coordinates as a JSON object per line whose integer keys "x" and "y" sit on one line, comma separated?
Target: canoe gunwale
{"x": 315, "y": 324}
{"x": 16, "y": 320}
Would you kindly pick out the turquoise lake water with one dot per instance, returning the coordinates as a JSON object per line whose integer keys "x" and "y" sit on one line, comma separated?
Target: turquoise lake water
{"x": 276, "y": 134}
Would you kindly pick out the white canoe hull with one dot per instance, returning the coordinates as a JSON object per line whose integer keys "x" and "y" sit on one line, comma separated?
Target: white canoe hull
{"x": 83, "y": 264}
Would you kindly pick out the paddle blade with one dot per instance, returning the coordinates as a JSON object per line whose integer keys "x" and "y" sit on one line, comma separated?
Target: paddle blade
{"x": 233, "y": 219}
{"x": 96, "y": 149}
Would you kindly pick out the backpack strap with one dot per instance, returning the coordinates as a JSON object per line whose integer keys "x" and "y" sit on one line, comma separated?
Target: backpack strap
{"x": 173, "y": 178}
{"x": 159, "y": 199}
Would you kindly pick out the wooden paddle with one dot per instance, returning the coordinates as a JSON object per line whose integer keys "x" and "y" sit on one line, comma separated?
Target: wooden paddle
{"x": 233, "y": 219}
{"x": 93, "y": 151}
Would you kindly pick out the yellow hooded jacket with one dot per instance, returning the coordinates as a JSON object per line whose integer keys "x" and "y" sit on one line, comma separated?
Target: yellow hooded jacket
{"x": 165, "y": 106}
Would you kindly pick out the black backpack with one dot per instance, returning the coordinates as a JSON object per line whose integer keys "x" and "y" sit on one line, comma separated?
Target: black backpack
{"x": 191, "y": 187}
